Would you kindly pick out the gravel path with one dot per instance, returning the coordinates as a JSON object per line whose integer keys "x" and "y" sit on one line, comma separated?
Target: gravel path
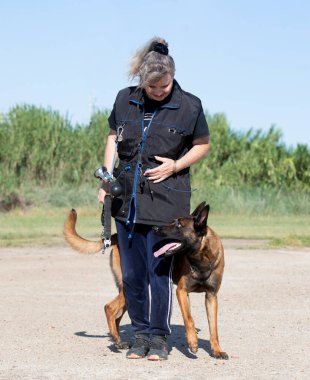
{"x": 53, "y": 324}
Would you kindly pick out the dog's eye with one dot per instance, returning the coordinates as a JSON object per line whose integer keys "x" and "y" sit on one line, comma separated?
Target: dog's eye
{"x": 179, "y": 225}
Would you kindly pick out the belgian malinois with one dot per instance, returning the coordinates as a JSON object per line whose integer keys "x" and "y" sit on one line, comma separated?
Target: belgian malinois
{"x": 198, "y": 267}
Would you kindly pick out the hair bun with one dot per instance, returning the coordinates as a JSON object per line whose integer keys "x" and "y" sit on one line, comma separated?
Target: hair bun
{"x": 161, "y": 48}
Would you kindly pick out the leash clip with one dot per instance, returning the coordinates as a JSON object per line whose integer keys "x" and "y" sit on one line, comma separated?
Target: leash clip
{"x": 106, "y": 241}
{"x": 106, "y": 244}
{"x": 119, "y": 133}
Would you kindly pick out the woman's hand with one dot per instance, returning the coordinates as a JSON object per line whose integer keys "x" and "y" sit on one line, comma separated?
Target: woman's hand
{"x": 101, "y": 195}
{"x": 168, "y": 167}
{"x": 163, "y": 171}
{"x": 102, "y": 192}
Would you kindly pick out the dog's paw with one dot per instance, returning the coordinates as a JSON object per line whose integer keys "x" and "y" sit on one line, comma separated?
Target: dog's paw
{"x": 193, "y": 348}
{"x": 122, "y": 345}
{"x": 220, "y": 355}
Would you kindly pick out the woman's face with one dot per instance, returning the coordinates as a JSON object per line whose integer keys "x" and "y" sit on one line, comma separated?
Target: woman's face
{"x": 160, "y": 90}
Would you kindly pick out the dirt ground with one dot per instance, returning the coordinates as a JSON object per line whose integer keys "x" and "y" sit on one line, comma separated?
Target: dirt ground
{"x": 53, "y": 324}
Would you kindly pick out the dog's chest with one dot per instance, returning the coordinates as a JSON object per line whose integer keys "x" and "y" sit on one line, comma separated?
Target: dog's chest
{"x": 198, "y": 280}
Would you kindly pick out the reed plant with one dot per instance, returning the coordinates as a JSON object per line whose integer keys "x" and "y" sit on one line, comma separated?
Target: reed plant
{"x": 45, "y": 160}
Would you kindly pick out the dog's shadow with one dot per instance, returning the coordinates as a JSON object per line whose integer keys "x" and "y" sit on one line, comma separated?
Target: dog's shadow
{"x": 176, "y": 340}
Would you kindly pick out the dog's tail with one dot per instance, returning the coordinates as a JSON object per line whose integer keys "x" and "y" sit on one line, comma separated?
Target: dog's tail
{"x": 77, "y": 242}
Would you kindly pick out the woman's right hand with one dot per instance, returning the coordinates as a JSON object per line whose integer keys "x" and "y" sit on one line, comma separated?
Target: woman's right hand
{"x": 102, "y": 191}
{"x": 101, "y": 195}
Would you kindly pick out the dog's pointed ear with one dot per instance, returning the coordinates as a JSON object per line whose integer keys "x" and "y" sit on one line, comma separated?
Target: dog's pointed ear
{"x": 198, "y": 209}
{"x": 201, "y": 219}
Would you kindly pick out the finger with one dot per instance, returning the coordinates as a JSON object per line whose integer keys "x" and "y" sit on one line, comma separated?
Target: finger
{"x": 158, "y": 180}
{"x": 152, "y": 172}
{"x": 161, "y": 159}
{"x": 154, "y": 177}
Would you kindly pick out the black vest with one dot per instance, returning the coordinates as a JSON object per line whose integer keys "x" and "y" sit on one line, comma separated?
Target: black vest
{"x": 169, "y": 135}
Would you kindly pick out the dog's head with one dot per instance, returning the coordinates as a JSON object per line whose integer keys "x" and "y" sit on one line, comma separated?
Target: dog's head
{"x": 184, "y": 234}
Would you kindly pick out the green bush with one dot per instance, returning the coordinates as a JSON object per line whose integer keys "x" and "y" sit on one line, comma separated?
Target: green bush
{"x": 39, "y": 148}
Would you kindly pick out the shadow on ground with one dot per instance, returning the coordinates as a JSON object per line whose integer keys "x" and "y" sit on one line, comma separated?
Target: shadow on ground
{"x": 176, "y": 340}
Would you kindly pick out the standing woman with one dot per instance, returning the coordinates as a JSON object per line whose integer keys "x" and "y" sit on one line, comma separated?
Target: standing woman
{"x": 160, "y": 131}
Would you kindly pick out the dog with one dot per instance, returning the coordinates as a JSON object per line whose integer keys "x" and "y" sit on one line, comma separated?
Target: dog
{"x": 198, "y": 267}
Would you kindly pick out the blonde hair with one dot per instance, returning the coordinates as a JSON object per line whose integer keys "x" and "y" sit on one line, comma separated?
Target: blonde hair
{"x": 149, "y": 65}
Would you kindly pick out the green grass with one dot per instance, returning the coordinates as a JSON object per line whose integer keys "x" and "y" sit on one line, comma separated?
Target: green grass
{"x": 280, "y": 230}
{"x": 235, "y": 201}
{"x": 43, "y": 226}
{"x": 252, "y": 201}
{"x": 290, "y": 241}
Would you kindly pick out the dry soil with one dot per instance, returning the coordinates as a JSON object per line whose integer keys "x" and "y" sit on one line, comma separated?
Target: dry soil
{"x": 53, "y": 323}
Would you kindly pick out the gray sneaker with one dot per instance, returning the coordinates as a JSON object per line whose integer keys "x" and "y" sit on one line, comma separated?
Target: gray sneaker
{"x": 140, "y": 347}
{"x": 158, "y": 348}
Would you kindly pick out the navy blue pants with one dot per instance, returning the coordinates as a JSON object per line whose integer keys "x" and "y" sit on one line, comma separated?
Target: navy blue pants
{"x": 149, "y": 311}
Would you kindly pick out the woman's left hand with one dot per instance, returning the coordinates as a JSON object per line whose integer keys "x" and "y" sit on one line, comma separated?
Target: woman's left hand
{"x": 161, "y": 172}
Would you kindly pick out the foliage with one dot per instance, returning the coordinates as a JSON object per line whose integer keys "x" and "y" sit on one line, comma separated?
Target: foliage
{"x": 41, "y": 148}
{"x": 253, "y": 158}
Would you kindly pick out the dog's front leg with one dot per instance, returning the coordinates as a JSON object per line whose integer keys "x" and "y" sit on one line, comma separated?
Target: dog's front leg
{"x": 191, "y": 334}
{"x": 211, "y": 307}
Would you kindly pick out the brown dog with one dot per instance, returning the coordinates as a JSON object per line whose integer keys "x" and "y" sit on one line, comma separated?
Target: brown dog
{"x": 198, "y": 267}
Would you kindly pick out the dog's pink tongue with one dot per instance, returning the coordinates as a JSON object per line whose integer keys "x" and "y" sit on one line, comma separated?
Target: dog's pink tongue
{"x": 165, "y": 248}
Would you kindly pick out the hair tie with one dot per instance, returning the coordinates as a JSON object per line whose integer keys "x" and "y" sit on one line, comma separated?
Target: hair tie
{"x": 161, "y": 48}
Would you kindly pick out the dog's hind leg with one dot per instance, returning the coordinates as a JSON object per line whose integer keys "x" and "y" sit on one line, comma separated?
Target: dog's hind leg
{"x": 114, "y": 311}
{"x": 191, "y": 334}
{"x": 211, "y": 307}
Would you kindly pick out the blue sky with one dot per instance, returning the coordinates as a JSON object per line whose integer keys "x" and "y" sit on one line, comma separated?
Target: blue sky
{"x": 247, "y": 59}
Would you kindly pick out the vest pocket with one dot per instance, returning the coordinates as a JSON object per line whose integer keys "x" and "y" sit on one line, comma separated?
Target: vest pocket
{"x": 165, "y": 141}
{"x": 176, "y": 183}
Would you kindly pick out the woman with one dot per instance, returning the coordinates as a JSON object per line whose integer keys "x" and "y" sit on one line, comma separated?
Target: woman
{"x": 160, "y": 131}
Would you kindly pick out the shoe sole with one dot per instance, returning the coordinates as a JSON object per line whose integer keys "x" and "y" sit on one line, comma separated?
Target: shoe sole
{"x": 134, "y": 356}
{"x": 155, "y": 358}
